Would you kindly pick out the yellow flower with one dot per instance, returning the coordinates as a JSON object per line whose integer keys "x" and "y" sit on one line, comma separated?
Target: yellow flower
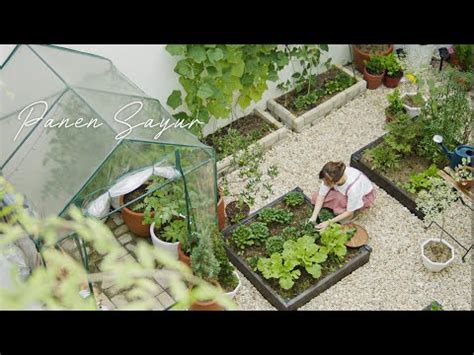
{"x": 411, "y": 77}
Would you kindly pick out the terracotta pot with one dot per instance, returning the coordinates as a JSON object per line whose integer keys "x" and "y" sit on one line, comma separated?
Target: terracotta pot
{"x": 454, "y": 60}
{"x": 206, "y": 305}
{"x": 466, "y": 184}
{"x": 220, "y": 209}
{"x": 373, "y": 81}
{"x": 392, "y": 81}
{"x": 183, "y": 257}
{"x": 134, "y": 221}
{"x": 360, "y": 56}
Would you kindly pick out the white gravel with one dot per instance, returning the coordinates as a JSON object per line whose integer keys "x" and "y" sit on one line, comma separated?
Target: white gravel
{"x": 394, "y": 278}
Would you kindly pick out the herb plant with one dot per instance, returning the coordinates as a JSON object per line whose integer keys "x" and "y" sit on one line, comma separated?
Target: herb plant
{"x": 395, "y": 103}
{"x": 392, "y": 65}
{"x": 375, "y": 65}
{"x": 242, "y": 237}
{"x": 259, "y": 231}
{"x": 290, "y": 233}
{"x": 421, "y": 180}
{"x": 175, "y": 231}
{"x": 326, "y": 214}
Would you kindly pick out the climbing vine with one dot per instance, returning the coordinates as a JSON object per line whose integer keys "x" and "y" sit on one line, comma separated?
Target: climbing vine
{"x": 211, "y": 76}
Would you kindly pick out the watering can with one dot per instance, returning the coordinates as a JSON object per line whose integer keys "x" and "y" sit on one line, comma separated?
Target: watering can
{"x": 455, "y": 157}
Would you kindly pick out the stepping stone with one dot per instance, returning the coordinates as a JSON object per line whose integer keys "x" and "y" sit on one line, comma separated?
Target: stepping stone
{"x": 165, "y": 299}
{"x": 125, "y": 238}
{"x": 121, "y": 230}
{"x": 117, "y": 218}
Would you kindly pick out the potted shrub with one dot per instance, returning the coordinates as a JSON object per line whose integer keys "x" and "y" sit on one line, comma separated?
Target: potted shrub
{"x": 374, "y": 71}
{"x": 209, "y": 261}
{"x": 462, "y": 56}
{"x": 436, "y": 254}
{"x": 363, "y": 52}
{"x": 395, "y": 106}
{"x": 168, "y": 238}
{"x": 393, "y": 71}
{"x": 133, "y": 215}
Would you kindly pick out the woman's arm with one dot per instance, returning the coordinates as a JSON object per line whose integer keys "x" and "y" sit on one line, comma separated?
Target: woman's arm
{"x": 317, "y": 207}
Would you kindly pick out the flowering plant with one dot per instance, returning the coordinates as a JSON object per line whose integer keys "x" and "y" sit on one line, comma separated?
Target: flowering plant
{"x": 462, "y": 171}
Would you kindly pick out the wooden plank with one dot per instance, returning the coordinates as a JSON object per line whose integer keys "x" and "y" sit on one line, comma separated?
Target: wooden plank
{"x": 446, "y": 174}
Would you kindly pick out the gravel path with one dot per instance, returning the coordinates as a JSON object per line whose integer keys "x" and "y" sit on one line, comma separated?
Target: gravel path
{"x": 394, "y": 278}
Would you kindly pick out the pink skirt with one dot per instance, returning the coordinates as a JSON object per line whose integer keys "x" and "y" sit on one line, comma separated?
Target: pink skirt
{"x": 337, "y": 202}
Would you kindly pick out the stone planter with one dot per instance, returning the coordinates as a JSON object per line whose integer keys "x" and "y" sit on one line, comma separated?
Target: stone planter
{"x": 434, "y": 266}
{"x": 160, "y": 244}
{"x": 224, "y": 165}
{"x": 299, "y": 123}
{"x": 232, "y": 293}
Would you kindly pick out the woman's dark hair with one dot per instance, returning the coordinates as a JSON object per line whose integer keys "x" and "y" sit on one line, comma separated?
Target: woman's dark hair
{"x": 333, "y": 171}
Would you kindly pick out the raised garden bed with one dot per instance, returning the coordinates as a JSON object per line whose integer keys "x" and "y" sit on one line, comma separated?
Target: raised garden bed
{"x": 405, "y": 198}
{"x": 306, "y": 287}
{"x": 298, "y": 120}
{"x": 258, "y": 127}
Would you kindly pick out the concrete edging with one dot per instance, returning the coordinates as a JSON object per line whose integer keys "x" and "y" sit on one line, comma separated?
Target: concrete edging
{"x": 299, "y": 123}
{"x": 268, "y": 141}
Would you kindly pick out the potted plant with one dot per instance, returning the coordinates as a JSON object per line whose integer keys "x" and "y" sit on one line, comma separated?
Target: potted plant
{"x": 248, "y": 162}
{"x": 393, "y": 71}
{"x": 436, "y": 254}
{"x": 463, "y": 174}
{"x": 168, "y": 238}
{"x": 374, "y": 71}
{"x": 395, "y": 106}
{"x": 414, "y": 101}
{"x": 462, "y": 56}
{"x": 209, "y": 261}
{"x": 363, "y": 52}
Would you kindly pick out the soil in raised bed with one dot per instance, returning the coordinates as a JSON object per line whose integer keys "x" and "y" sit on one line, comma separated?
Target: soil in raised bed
{"x": 305, "y": 280}
{"x": 437, "y": 252}
{"x": 252, "y": 127}
{"x": 409, "y": 165}
{"x": 287, "y": 100}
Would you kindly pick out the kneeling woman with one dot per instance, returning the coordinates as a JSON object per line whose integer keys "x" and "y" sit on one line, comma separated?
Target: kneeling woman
{"x": 345, "y": 190}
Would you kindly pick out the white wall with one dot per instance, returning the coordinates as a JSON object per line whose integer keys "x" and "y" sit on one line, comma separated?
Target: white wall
{"x": 151, "y": 68}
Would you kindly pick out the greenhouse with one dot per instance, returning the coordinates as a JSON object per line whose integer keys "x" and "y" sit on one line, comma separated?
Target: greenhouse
{"x": 67, "y": 149}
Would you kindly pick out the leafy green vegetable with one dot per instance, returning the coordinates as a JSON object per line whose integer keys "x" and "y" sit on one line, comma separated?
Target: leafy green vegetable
{"x": 277, "y": 268}
{"x": 175, "y": 231}
{"x": 276, "y": 215}
{"x": 294, "y": 199}
{"x": 305, "y": 252}
{"x": 421, "y": 180}
{"x": 333, "y": 240}
{"x": 325, "y": 214}
{"x": 274, "y": 244}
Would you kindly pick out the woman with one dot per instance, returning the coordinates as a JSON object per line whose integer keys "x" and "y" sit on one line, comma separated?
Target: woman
{"x": 345, "y": 190}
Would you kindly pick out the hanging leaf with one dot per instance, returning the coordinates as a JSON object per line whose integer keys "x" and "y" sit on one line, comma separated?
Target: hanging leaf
{"x": 174, "y": 100}
{"x": 176, "y": 49}
{"x": 197, "y": 53}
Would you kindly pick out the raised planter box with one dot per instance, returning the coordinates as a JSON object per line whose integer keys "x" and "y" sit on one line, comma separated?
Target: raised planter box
{"x": 393, "y": 190}
{"x": 299, "y": 123}
{"x": 319, "y": 286}
{"x": 224, "y": 165}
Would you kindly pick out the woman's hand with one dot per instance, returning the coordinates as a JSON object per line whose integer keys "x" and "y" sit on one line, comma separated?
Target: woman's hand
{"x": 322, "y": 225}
{"x": 312, "y": 220}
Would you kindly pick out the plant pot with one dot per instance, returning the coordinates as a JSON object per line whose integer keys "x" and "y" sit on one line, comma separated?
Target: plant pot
{"x": 232, "y": 210}
{"x": 220, "y": 209}
{"x": 412, "y": 111}
{"x": 183, "y": 257}
{"x": 373, "y": 81}
{"x": 232, "y": 293}
{"x": 161, "y": 244}
{"x": 206, "y": 305}
{"x": 134, "y": 221}
{"x": 466, "y": 184}
{"x": 435, "y": 266}
{"x": 360, "y": 56}
{"x": 392, "y": 81}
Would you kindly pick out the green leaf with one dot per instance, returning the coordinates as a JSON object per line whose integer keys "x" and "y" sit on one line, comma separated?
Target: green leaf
{"x": 205, "y": 91}
{"x": 176, "y": 49}
{"x": 244, "y": 101}
{"x": 174, "y": 100}
{"x": 324, "y": 47}
{"x": 215, "y": 54}
{"x": 314, "y": 270}
{"x": 238, "y": 68}
{"x": 198, "y": 53}
{"x": 184, "y": 68}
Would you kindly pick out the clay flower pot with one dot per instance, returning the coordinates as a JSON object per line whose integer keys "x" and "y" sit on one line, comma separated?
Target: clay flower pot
{"x": 210, "y": 305}
{"x": 220, "y": 209}
{"x": 392, "y": 81}
{"x": 134, "y": 221}
{"x": 360, "y": 56}
{"x": 183, "y": 257}
{"x": 373, "y": 80}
